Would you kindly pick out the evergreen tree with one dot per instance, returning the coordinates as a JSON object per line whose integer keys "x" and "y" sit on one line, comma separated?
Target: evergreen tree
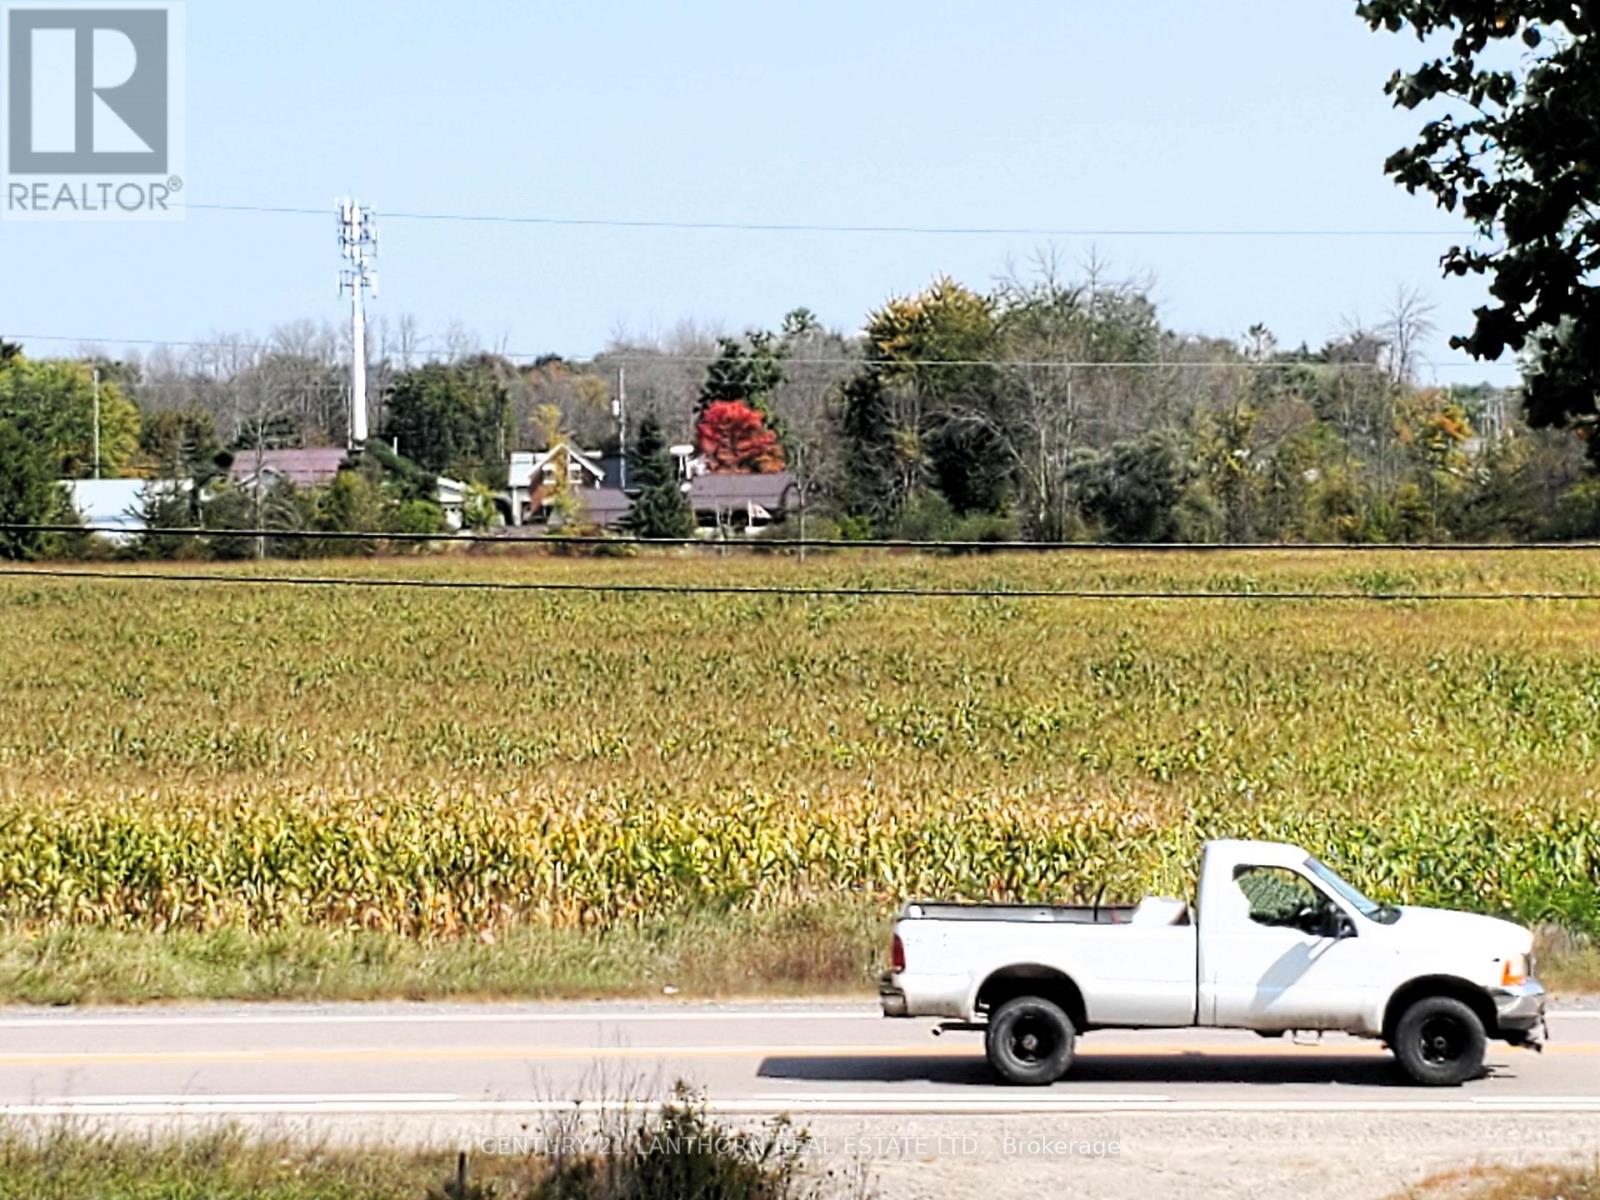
{"x": 660, "y": 510}
{"x": 29, "y": 494}
{"x": 748, "y": 371}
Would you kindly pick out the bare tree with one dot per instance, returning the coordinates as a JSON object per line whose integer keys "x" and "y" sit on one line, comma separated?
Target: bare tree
{"x": 1406, "y": 327}
{"x": 1056, "y": 393}
{"x": 664, "y": 373}
{"x": 458, "y": 342}
{"x": 816, "y": 364}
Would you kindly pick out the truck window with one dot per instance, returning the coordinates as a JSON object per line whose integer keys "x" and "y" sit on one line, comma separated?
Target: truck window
{"x": 1278, "y": 896}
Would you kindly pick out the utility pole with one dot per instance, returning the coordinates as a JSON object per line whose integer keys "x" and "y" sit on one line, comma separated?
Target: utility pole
{"x": 97, "y": 422}
{"x": 620, "y": 411}
{"x": 358, "y": 243}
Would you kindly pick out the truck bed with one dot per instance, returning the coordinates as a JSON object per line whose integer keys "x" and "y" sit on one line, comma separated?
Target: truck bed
{"x": 1060, "y": 914}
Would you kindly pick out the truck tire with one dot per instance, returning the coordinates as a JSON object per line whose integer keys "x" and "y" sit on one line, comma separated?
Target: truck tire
{"x": 1029, "y": 1041}
{"x": 1440, "y": 1042}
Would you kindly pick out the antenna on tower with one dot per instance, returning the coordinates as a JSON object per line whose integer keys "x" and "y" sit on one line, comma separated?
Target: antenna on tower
{"x": 358, "y": 245}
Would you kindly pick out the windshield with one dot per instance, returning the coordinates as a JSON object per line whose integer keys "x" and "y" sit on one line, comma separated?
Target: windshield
{"x": 1384, "y": 913}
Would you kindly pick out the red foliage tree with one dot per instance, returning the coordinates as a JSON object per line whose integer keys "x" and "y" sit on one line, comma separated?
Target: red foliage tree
{"x": 734, "y": 437}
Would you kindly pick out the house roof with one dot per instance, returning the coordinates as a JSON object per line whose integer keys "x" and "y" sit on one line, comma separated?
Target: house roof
{"x": 603, "y": 505}
{"x": 115, "y": 503}
{"x": 450, "y": 491}
{"x": 303, "y": 468}
{"x": 525, "y": 464}
{"x": 774, "y": 492}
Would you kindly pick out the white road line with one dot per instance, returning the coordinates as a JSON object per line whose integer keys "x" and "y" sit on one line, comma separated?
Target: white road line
{"x": 1048, "y": 1099}
{"x": 839, "y": 1105}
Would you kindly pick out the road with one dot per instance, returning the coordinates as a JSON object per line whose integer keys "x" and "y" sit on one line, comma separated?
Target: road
{"x": 921, "y": 1111}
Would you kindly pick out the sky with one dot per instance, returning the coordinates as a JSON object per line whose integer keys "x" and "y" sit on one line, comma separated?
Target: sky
{"x": 1095, "y": 119}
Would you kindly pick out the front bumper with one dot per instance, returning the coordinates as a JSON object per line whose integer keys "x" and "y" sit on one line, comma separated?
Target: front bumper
{"x": 1519, "y": 1010}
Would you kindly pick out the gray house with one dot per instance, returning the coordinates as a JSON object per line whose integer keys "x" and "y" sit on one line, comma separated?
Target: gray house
{"x": 743, "y": 501}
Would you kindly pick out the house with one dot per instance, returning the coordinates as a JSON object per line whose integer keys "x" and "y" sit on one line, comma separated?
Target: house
{"x": 302, "y": 468}
{"x": 116, "y": 506}
{"x": 604, "y": 507}
{"x": 743, "y": 501}
{"x": 532, "y": 473}
{"x": 452, "y": 495}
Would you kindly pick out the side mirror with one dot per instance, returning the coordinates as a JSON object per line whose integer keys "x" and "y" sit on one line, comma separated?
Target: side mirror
{"x": 1338, "y": 924}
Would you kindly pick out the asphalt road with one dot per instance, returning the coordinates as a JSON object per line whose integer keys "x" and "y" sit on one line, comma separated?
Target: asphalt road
{"x": 753, "y": 1059}
{"x": 1141, "y": 1114}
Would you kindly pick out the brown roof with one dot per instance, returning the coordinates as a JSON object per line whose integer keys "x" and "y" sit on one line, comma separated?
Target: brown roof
{"x": 300, "y": 467}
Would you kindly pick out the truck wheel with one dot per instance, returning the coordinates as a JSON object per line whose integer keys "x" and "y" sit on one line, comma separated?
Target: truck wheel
{"x": 1029, "y": 1041}
{"x": 1440, "y": 1042}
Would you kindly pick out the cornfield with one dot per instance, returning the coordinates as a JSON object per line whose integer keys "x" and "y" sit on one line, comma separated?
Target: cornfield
{"x": 448, "y": 762}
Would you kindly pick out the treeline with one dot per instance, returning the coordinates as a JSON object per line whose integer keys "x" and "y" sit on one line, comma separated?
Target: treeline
{"x": 1046, "y": 408}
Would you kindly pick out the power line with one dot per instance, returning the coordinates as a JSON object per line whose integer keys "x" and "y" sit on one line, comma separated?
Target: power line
{"x": 606, "y": 358}
{"x": 826, "y": 227}
{"x": 763, "y": 545}
{"x": 821, "y": 591}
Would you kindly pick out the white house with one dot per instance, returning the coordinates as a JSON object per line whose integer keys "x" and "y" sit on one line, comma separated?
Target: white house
{"x": 114, "y": 506}
{"x": 452, "y": 495}
{"x": 531, "y": 473}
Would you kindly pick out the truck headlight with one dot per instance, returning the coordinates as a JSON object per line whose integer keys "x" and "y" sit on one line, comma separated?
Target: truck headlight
{"x": 1516, "y": 971}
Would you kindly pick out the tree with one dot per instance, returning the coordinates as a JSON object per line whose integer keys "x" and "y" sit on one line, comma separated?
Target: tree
{"x": 1041, "y": 411}
{"x": 582, "y": 398}
{"x": 1225, "y": 450}
{"x": 909, "y": 413}
{"x": 180, "y": 443}
{"x": 478, "y": 511}
{"x": 660, "y": 510}
{"x": 52, "y": 404}
{"x": 1144, "y": 490}
{"x": 746, "y": 371}
{"x": 1520, "y": 163}
{"x": 162, "y": 507}
{"x": 734, "y": 437}
{"x": 805, "y": 407}
{"x": 29, "y": 494}
{"x": 451, "y": 419}
{"x": 352, "y": 503}
{"x": 1434, "y": 429}
{"x": 557, "y": 494}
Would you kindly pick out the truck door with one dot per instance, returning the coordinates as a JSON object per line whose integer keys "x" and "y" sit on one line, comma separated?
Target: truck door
{"x": 1279, "y": 952}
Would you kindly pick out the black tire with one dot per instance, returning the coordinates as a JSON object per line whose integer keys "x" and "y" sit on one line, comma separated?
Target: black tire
{"x": 1440, "y": 1042}
{"x": 1029, "y": 1041}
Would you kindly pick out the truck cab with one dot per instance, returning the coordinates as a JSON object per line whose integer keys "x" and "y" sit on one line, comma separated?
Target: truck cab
{"x": 1275, "y": 941}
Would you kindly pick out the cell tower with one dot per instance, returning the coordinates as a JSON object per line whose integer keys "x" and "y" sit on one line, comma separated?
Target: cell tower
{"x": 358, "y": 243}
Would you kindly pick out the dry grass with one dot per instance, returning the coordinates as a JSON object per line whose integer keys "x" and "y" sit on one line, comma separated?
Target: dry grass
{"x": 808, "y": 951}
{"x": 1510, "y": 1183}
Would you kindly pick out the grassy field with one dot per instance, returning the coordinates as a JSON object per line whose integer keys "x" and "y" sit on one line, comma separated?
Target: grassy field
{"x": 213, "y": 789}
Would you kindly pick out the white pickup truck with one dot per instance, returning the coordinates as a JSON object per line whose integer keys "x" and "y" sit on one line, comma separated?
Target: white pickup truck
{"x": 1276, "y": 942}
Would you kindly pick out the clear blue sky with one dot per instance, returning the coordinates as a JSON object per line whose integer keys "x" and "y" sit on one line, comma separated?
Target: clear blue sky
{"x": 1147, "y": 114}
